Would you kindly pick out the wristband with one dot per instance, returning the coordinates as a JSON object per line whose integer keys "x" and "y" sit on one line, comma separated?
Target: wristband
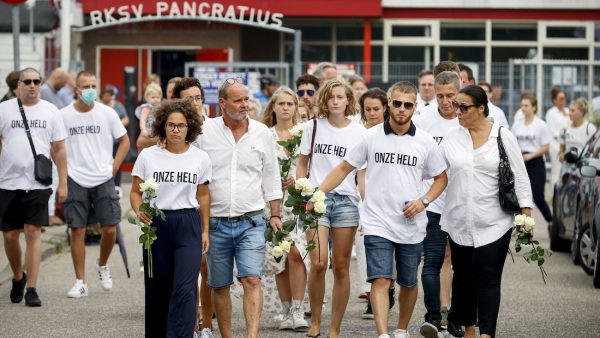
{"x": 275, "y": 216}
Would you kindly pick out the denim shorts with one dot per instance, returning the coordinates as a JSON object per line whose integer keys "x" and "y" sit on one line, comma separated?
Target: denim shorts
{"x": 340, "y": 212}
{"x": 243, "y": 241}
{"x": 380, "y": 260}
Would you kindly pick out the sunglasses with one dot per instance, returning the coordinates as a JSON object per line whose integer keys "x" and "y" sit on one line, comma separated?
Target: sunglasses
{"x": 462, "y": 107}
{"x": 308, "y": 92}
{"x": 28, "y": 82}
{"x": 234, "y": 80}
{"x": 399, "y": 104}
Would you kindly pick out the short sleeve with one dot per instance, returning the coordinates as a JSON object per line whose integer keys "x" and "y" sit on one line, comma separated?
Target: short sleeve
{"x": 358, "y": 154}
{"x": 307, "y": 137}
{"x": 546, "y": 135}
{"x": 435, "y": 163}
{"x": 139, "y": 168}
{"x": 59, "y": 132}
{"x": 116, "y": 126}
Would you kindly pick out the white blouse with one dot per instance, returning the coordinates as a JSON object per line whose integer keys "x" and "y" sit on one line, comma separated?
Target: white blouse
{"x": 472, "y": 215}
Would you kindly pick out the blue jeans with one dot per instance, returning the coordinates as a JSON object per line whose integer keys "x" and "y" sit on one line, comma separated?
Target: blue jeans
{"x": 434, "y": 249}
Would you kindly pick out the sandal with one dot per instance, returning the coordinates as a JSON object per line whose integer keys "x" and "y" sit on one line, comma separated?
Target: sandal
{"x": 308, "y": 335}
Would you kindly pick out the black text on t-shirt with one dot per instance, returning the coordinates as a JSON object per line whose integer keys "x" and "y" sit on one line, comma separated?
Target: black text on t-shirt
{"x": 80, "y": 130}
{"x": 394, "y": 158}
{"x": 31, "y": 123}
{"x": 438, "y": 139}
{"x": 329, "y": 149}
{"x": 173, "y": 177}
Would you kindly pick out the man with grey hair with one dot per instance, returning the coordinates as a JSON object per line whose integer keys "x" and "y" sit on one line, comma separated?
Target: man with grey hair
{"x": 438, "y": 124}
{"x": 49, "y": 91}
{"x": 245, "y": 176}
{"x": 24, "y": 199}
{"x": 325, "y": 71}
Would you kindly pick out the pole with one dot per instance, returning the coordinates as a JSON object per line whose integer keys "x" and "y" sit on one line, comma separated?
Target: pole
{"x": 16, "y": 30}
{"x": 65, "y": 33}
{"x": 297, "y": 49}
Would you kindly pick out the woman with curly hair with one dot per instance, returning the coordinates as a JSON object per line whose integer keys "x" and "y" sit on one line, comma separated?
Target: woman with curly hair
{"x": 183, "y": 173}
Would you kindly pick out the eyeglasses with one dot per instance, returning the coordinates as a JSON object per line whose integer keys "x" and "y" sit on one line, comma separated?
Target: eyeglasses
{"x": 197, "y": 98}
{"x": 308, "y": 92}
{"x": 28, "y": 82}
{"x": 180, "y": 126}
{"x": 234, "y": 80}
{"x": 463, "y": 107}
{"x": 399, "y": 104}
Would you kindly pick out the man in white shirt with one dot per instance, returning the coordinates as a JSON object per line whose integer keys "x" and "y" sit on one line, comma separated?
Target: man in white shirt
{"x": 24, "y": 200}
{"x": 92, "y": 128}
{"x": 438, "y": 124}
{"x": 245, "y": 176}
{"x": 426, "y": 94}
{"x": 398, "y": 157}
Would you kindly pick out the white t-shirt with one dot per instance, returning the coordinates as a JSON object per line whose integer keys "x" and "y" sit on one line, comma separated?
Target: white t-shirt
{"x": 331, "y": 146}
{"x": 433, "y": 123}
{"x": 178, "y": 175}
{"x": 90, "y": 143}
{"x": 531, "y": 137}
{"x": 577, "y": 137}
{"x": 16, "y": 158}
{"x": 397, "y": 166}
{"x": 556, "y": 121}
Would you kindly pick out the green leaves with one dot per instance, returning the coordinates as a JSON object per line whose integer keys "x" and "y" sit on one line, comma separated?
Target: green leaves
{"x": 536, "y": 254}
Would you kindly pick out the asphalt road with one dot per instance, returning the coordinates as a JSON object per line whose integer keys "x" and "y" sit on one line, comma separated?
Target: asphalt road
{"x": 568, "y": 306}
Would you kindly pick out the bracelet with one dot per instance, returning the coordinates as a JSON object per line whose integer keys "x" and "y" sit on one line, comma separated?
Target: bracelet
{"x": 275, "y": 216}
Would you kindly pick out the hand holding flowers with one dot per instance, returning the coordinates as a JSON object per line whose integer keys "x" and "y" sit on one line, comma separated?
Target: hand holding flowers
{"x": 525, "y": 225}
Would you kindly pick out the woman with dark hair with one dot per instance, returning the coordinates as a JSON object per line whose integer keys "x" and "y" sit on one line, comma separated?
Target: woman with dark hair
{"x": 183, "y": 173}
{"x": 479, "y": 229}
{"x": 534, "y": 138}
{"x": 374, "y": 107}
{"x": 556, "y": 117}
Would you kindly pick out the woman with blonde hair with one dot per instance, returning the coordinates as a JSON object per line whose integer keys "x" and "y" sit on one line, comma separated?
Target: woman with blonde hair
{"x": 334, "y": 136}
{"x": 280, "y": 115}
{"x": 579, "y": 132}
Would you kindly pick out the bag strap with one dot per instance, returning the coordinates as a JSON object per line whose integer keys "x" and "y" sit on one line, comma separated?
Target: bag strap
{"x": 312, "y": 144}
{"x": 26, "y": 127}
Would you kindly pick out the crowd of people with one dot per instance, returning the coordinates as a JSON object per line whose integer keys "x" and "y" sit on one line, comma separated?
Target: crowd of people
{"x": 410, "y": 175}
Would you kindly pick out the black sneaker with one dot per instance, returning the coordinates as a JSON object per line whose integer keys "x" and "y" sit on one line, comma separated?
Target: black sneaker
{"x": 18, "y": 287}
{"x": 455, "y": 330}
{"x": 431, "y": 328}
{"x": 32, "y": 298}
{"x": 392, "y": 297}
{"x": 368, "y": 314}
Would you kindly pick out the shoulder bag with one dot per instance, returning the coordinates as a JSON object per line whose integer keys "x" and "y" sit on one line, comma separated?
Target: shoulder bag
{"x": 42, "y": 165}
{"x": 506, "y": 181}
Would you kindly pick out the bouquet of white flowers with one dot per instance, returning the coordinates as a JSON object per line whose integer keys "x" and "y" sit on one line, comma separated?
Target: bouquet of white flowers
{"x": 524, "y": 232}
{"x": 148, "y": 206}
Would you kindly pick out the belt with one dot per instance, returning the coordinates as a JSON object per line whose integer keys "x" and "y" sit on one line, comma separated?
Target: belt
{"x": 240, "y": 218}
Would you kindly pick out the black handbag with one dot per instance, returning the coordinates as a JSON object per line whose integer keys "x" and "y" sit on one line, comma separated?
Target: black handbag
{"x": 506, "y": 181}
{"x": 42, "y": 165}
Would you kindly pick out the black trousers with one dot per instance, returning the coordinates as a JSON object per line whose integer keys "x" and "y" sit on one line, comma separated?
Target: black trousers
{"x": 171, "y": 294}
{"x": 476, "y": 283}
{"x": 536, "y": 170}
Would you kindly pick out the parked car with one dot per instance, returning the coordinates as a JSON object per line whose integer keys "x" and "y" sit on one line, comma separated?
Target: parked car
{"x": 575, "y": 206}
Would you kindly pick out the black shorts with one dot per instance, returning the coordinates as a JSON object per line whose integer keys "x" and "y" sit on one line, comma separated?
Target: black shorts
{"x": 19, "y": 207}
{"x": 82, "y": 202}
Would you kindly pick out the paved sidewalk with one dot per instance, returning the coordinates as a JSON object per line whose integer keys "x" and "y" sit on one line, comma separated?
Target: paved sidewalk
{"x": 54, "y": 238}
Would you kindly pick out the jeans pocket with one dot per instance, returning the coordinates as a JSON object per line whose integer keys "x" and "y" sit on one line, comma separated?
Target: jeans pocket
{"x": 213, "y": 224}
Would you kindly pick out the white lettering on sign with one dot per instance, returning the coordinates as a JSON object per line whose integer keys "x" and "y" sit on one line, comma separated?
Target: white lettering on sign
{"x": 186, "y": 10}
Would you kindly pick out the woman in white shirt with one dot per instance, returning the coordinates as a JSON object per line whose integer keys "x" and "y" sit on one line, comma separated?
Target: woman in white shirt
{"x": 280, "y": 115}
{"x": 534, "y": 138}
{"x": 557, "y": 118}
{"x": 335, "y": 135}
{"x": 580, "y": 130}
{"x": 183, "y": 173}
{"x": 478, "y": 228}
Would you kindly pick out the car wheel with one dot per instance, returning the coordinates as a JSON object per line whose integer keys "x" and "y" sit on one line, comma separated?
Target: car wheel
{"x": 586, "y": 248}
{"x": 597, "y": 267}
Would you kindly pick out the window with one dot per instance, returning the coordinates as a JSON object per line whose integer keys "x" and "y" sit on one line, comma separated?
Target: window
{"x": 312, "y": 32}
{"x": 565, "y": 32}
{"x": 514, "y": 32}
{"x": 409, "y": 53}
{"x": 463, "y": 31}
{"x": 503, "y": 54}
{"x": 411, "y": 31}
{"x": 349, "y": 31}
{"x": 377, "y": 30}
{"x": 461, "y": 54}
{"x": 565, "y": 53}
{"x": 349, "y": 53}
{"x": 310, "y": 53}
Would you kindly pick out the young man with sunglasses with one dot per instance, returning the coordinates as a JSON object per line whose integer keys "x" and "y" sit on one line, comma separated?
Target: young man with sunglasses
{"x": 24, "y": 200}
{"x": 399, "y": 156}
{"x": 92, "y": 127}
{"x": 307, "y": 85}
{"x": 437, "y": 123}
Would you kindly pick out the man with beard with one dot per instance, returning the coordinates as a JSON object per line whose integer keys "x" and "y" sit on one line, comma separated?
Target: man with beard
{"x": 245, "y": 176}
{"x": 398, "y": 157}
{"x": 53, "y": 84}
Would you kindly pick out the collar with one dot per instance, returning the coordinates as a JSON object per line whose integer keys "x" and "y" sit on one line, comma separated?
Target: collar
{"x": 387, "y": 128}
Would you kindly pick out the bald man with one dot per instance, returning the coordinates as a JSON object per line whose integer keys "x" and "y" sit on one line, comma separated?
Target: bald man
{"x": 49, "y": 91}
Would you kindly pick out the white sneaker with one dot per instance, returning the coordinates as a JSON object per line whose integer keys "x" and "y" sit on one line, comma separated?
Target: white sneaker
{"x": 400, "y": 334}
{"x": 78, "y": 290}
{"x": 297, "y": 314}
{"x": 287, "y": 323}
{"x": 206, "y": 333}
{"x": 104, "y": 274}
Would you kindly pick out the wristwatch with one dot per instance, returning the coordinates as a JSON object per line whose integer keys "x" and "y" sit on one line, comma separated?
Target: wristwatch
{"x": 425, "y": 201}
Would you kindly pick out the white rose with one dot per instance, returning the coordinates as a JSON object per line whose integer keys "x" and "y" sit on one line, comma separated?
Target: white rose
{"x": 297, "y": 130}
{"x": 285, "y": 245}
{"x": 318, "y": 196}
{"x": 528, "y": 224}
{"x": 320, "y": 207}
{"x": 301, "y": 183}
{"x": 152, "y": 184}
{"x": 277, "y": 251}
{"x": 520, "y": 219}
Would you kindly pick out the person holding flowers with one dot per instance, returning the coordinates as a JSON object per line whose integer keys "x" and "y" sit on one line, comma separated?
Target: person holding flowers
{"x": 321, "y": 150}
{"x": 479, "y": 229}
{"x": 281, "y": 116}
{"x": 181, "y": 175}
